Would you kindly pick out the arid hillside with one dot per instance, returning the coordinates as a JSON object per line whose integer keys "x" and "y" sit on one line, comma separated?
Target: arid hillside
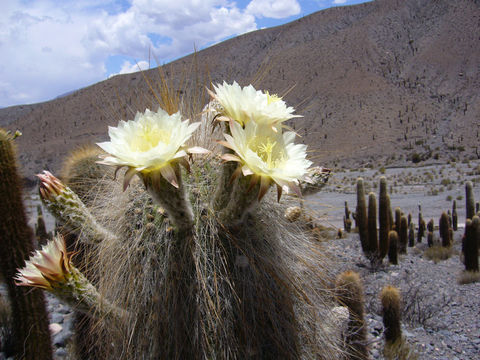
{"x": 389, "y": 77}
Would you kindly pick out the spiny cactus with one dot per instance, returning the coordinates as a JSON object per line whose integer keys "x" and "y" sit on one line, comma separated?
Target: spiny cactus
{"x": 361, "y": 216}
{"x": 430, "y": 238}
{"x": 390, "y": 299}
{"x": 393, "y": 247}
{"x": 444, "y": 230}
{"x": 347, "y": 222}
{"x": 430, "y": 225}
{"x": 398, "y": 215}
{"x": 471, "y": 242}
{"x": 469, "y": 200}
{"x": 30, "y": 322}
{"x": 349, "y": 289}
{"x": 421, "y": 225}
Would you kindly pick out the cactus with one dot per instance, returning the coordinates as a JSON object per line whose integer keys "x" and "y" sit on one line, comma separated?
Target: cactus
{"x": 403, "y": 235}
{"x": 361, "y": 216}
{"x": 390, "y": 299}
{"x": 430, "y": 225}
{"x": 409, "y": 219}
{"x": 411, "y": 235}
{"x": 384, "y": 216}
{"x": 430, "y": 238}
{"x": 469, "y": 200}
{"x": 398, "y": 215}
{"x": 347, "y": 223}
{"x": 454, "y": 216}
{"x": 393, "y": 247}
{"x": 444, "y": 230}
{"x": 213, "y": 271}
{"x": 30, "y": 322}
{"x": 422, "y": 227}
{"x": 372, "y": 253}
{"x": 471, "y": 242}
{"x": 349, "y": 289}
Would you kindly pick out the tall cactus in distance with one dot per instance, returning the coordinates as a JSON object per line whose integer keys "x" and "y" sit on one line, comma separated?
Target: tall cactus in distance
{"x": 444, "y": 230}
{"x": 372, "y": 253}
{"x": 361, "y": 216}
{"x": 384, "y": 214}
{"x": 469, "y": 200}
{"x": 30, "y": 325}
{"x": 471, "y": 244}
{"x": 454, "y": 216}
{"x": 403, "y": 235}
{"x": 393, "y": 247}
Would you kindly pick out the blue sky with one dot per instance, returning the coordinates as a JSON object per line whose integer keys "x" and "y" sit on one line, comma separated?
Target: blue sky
{"x": 50, "y": 47}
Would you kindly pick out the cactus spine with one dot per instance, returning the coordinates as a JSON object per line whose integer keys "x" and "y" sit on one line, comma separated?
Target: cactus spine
{"x": 469, "y": 200}
{"x": 30, "y": 325}
{"x": 472, "y": 239}
{"x": 361, "y": 216}
{"x": 349, "y": 289}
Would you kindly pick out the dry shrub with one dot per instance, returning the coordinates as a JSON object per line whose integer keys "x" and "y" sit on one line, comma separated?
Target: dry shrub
{"x": 438, "y": 253}
{"x": 468, "y": 277}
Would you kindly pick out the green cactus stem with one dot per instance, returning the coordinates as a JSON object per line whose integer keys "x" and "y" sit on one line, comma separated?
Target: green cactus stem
{"x": 444, "y": 230}
{"x": 384, "y": 216}
{"x": 390, "y": 299}
{"x": 372, "y": 253}
{"x": 393, "y": 247}
{"x": 471, "y": 242}
{"x": 454, "y": 216}
{"x": 30, "y": 319}
{"x": 349, "y": 289}
{"x": 403, "y": 235}
{"x": 361, "y": 216}
{"x": 469, "y": 200}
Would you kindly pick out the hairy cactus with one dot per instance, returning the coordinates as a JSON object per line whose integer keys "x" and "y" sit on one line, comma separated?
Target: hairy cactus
{"x": 30, "y": 320}
{"x": 421, "y": 225}
{"x": 200, "y": 262}
{"x": 444, "y": 230}
{"x": 349, "y": 289}
{"x": 347, "y": 222}
{"x": 471, "y": 242}
{"x": 393, "y": 247}
{"x": 469, "y": 200}
{"x": 430, "y": 238}
{"x": 390, "y": 299}
{"x": 430, "y": 225}
{"x": 398, "y": 215}
{"x": 361, "y": 216}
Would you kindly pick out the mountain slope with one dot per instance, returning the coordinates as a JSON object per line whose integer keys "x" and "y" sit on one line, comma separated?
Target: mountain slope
{"x": 385, "y": 77}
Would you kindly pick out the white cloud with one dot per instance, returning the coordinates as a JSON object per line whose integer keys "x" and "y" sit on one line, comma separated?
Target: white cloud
{"x": 338, "y": 2}
{"x": 49, "y": 47}
{"x": 276, "y": 9}
{"x": 128, "y": 67}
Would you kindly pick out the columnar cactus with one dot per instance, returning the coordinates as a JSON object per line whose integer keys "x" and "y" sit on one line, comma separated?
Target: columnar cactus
{"x": 361, "y": 216}
{"x": 372, "y": 253}
{"x": 403, "y": 235}
{"x": 471, "y": 242}
{"x": 411, "y": 235}
{"x": 30, "y": 325}
{"x": 454, "y": 216}
{"x": 383, "y": 212}
{"x": 393, "y": 247}
{"x": 444, "y": 230}
{"x": 211, "y": 269}
{"x": 390, "y": 299}
{"x": 469, "y": 200}
{"x": 349, "y": 289}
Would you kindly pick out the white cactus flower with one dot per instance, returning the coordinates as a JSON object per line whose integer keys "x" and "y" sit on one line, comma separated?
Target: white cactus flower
{"x": 47, "y": 267}
{"x": 245, "y": 104}
{"x": 150, "y": 142}
{"x": 269, "y": 156}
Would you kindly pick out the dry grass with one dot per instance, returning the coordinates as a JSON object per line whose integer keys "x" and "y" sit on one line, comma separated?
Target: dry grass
{"x": 438, "y": 253}
{"x": 400, "y": 350}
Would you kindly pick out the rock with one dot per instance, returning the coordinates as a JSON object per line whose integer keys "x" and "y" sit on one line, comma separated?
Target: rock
{"x": 55, "y": 328}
